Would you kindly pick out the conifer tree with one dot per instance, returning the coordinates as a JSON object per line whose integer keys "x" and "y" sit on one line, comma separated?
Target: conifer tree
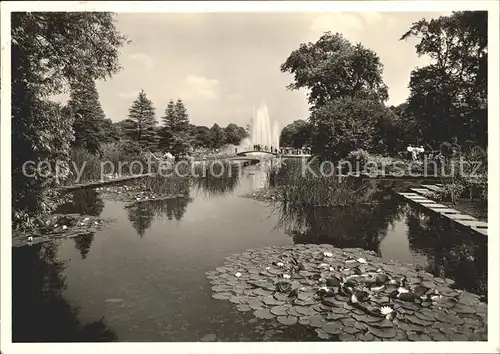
{"x": 142, "y": 113}
{"x": 175, "y": 135}
{"x": 87, "y": 115}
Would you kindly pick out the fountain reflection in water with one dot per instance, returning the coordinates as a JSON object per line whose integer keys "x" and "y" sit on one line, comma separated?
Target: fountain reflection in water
{"x": 262, "y": 132}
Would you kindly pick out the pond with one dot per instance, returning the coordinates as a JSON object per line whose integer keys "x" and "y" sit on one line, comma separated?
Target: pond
{"x": 143, "y": 278}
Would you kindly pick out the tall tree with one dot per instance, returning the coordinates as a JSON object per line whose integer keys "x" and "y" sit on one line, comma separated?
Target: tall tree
{"x": 202, "y": 136}
{"x": 234, "y": 134}
{"x": 176, "y": 136}
{"x": 87, "y": 115}
{"x": 142, "y": 113}
{"x": 449, "y": 96}
{"x": 51, "y": 50}
{"x": 168, "y": 120}
{"x": 218, "y": 136}
{"x": 296, "y": 134}
{"x": 334, "y": 68}
{"x": 345, "y": 125}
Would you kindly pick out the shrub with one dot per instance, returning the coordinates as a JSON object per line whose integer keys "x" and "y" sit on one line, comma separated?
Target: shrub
{"x": 360, "y": 157}
{"x": 82, "y": 161}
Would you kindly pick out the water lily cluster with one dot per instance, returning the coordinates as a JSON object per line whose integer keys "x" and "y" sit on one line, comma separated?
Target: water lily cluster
{"x": 348, "y": 294}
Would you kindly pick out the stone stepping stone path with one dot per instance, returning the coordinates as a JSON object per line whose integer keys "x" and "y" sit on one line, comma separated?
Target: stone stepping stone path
{"x": 312, "y": 285}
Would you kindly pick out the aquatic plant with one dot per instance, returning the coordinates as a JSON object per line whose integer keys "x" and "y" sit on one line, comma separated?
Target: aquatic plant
{"x": 295, "y": 186}
{"x": 348, "y": 295}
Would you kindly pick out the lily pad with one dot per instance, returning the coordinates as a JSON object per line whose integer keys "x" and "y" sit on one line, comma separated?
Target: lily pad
{"x": 463, "y": 309}
{"x": 308, "y": 302}
{"x": 417, "y": 321}
{"x": 322, "y": 334}
{"x": 287, "y": 320}
{"x": 418, "y": 337}
{"x": 243, "y": 308}
{"x": 256, "y": 304}
{"x": 407, "y": 327}
{"x": 304, "y": 310}
{"x": 332, "y": 328}
{"x": 351, "y": 330}
{"x": 382, "y": 332}
{"x": 345, "y": 337}
{"x": 304, "y": 296}
{"x": 331, "y": 316}
{"x": 222, "y": 288}
{"x": 271, "y": 301}
{"x": 448, "y": 318}
{"x": 280, "y": 310}
{"x": 262, "y": 292}
{"x": 281, "y": 297}
{"x": 236, "y": 299}
{"x": 367, "y": 318}
{"x": 315, "y": 320}
{"x": 292, "y": 312}
{"x": 222, "y": 296}
{"x": 382, "y": 324}
{"x": 263, "y": 314}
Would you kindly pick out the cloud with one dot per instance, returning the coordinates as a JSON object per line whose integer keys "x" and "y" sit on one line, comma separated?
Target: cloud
{"x": 142, "y": 59}
{"x": 199, "y": 88}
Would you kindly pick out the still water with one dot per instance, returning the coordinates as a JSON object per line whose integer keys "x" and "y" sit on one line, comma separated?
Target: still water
{"x": 143, "y": 278}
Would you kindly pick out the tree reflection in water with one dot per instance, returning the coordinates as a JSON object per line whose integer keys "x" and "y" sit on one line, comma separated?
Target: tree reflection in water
{"x": 218, "y": 184}
{"x": 451, "y": 252}
{"x": 142, "y": 214}
{"x": 39, "y": 311}
{"x": 353, "y": 226}
{"x": 83, "y": 202}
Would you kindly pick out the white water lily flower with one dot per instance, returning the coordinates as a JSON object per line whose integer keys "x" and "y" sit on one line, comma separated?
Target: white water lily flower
{"x": 385, "y": 310}
{"x": 331, "y": 269}
{"x": 96, "y": 222}
{"x": 237, "y": 275}
{"x": 403, "y": 290}
{"x": 267, "y": 268}
{"x": 64, "y": 227}
{"x": 328, "y": 254}
{"x": 286, "y": 276}
{"x": 325, "y": 288}
{"x": 82, "y": 223}
{"x": 279, "y": 264}
{"x": 435, "y": 298}
{"x": 55, "y": 225}
{"x": 361, "y": 260}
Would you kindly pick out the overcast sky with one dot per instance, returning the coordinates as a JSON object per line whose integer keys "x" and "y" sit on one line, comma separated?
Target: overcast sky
{"x": 221, "y": 65}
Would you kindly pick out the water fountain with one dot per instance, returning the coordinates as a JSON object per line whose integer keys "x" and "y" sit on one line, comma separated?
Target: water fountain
{"x": 263, "y": 133}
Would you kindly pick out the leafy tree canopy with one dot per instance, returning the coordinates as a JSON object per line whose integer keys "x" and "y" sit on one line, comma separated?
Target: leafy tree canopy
{"x": 334, "y": 68}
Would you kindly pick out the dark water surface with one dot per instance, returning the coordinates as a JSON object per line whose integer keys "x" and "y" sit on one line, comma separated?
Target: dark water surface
{"x": 143, "y": 278}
